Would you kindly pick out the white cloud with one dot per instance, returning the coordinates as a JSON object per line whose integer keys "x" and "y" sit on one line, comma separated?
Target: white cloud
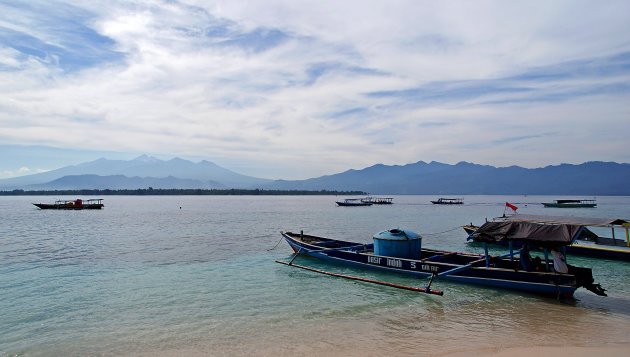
{"x": 268, "y": 87}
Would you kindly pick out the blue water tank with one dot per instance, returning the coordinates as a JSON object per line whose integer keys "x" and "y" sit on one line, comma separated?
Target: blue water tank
{"x": 398, "y": 243}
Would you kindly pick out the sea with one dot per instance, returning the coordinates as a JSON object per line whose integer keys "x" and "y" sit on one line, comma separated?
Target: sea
{"x": 195, "y": 276}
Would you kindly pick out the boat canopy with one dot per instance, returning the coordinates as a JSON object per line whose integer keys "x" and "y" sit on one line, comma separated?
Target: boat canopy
{"x": 578, "y": 221}
{"x": 544, "y": 235}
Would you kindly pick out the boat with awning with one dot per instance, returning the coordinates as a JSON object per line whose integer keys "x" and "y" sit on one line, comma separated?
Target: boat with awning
{"x": 351, "y": 202}
{"x": 78, "y": 204}
{"x": 591, "y": 240}
{"x": 448, "y": 201}
{"x": 571, "y": 204}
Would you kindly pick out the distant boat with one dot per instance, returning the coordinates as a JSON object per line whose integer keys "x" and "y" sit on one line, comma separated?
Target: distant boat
{"x": 96, "y": 203}
{"x": 448, "y": 201}
{"x": 571, "y": 203}
{"x": 354, "y": 202}
{"x": 378, "y": 200}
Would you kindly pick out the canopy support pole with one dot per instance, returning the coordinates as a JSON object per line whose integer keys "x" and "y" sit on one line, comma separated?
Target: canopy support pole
{"x": 627, "y": 236}
{"x": 511, "y": 250}
{"x": 546, "y": 258}
{"x": 485, "y": 247}
{"x": 564, "y": 252}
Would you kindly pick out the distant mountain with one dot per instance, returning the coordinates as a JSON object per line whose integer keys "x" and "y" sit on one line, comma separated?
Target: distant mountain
{"x": 119, "y": 182}
{"x": 208, "y": 174}
{"x": 590, "y": 178}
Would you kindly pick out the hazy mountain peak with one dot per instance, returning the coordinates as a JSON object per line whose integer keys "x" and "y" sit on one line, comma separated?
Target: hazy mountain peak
{"x": 146, "y": 159}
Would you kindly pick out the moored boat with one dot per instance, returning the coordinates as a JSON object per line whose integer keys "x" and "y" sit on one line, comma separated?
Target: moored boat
{"x": 587, "y": 243}
{"x": 448, "y": 201}
{"x": 78, "y": 204}
{"x": 354, "y": 202}
{"x": 571, "y": 204}
{"x": 400, "y": 251}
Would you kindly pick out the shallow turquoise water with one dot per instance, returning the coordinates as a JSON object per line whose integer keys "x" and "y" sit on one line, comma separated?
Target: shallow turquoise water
{"x": 196, "y": 275}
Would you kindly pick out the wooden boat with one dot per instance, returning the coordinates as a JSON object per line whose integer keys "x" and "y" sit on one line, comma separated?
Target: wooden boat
{"x": 354, "y": 202}
{"x": 77, "y": 204}
{"x": 587, "y": 243}
{"x": 571, "y": 204}
{"x": 448, "y": 201}
{"x": 400, "y": 251}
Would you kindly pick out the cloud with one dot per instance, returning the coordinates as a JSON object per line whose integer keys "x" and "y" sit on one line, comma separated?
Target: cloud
{"x": 20, "y": 172}
{"x": 55, "y": 34}
{"x": 263, "y": 88}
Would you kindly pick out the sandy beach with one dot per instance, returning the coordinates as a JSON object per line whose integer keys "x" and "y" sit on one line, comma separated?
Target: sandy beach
{"x": 557, "y": 351}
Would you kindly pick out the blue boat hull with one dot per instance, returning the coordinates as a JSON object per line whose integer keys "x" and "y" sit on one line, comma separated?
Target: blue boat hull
{"x": 500, "y": 274}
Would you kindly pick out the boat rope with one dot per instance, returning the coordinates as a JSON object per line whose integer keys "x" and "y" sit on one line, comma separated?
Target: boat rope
{"x": 449, "y": 230}
{"x": 274, "y": 247}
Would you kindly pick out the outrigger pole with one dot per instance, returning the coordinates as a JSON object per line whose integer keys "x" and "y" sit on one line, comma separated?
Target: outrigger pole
{"x": 470, "y": 265}
{"x": 420, "y": 290}
{"x": 426, "y": 289}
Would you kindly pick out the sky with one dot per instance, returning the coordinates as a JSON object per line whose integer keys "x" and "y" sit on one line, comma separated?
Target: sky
{"x": 299, "y": 89}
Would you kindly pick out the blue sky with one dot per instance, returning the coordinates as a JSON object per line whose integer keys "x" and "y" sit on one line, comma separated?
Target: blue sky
{"x": 298, "y": 89}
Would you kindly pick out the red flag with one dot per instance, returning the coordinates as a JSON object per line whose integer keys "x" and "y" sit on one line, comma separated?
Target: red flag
{"x": 514, "y": 208}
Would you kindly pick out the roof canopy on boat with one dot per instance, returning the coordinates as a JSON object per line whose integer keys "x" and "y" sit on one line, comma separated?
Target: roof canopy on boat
{"x": 579, "y": 221}
{"x": 542, "y": 234}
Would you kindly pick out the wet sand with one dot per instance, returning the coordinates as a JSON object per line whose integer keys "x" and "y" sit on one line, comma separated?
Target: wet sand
{"x": 556, "y": 351}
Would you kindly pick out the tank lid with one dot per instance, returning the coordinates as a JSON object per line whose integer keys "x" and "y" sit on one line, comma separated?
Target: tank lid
{"x": 397, "y": 234}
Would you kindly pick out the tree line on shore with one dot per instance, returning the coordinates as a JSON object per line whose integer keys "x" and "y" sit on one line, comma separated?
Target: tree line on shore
{"x": 176, "y": 192}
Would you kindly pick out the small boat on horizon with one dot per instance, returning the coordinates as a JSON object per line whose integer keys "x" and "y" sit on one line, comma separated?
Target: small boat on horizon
{"x": 349, "y": 202}
{"x": 448, "y": 201}
{"x": 571, "y": 204}
{"x": 379, "y": 200}
{"x": 401, "y": 251}
{"x": 78, "y": 204}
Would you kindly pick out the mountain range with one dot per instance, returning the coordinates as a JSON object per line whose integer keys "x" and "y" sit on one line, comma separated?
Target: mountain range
{"x": 589, "y": 178}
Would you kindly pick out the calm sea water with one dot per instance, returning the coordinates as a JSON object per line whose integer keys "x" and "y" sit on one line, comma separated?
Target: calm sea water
{"x": 195, "y": 275}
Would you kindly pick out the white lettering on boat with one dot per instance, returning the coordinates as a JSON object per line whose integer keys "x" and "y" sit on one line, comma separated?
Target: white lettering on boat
{"x": 427, "y": 267}
{"x": 394, "y": 263}
{"x": 413, "y": 265}
{"x": 374, "y": 260}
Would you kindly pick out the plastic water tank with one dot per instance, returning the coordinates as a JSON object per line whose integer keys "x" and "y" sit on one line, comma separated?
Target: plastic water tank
{"x": 398, "y": 243}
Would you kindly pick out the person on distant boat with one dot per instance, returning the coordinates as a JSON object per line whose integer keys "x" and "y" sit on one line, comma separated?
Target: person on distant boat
{"x": 559, "y": 261}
